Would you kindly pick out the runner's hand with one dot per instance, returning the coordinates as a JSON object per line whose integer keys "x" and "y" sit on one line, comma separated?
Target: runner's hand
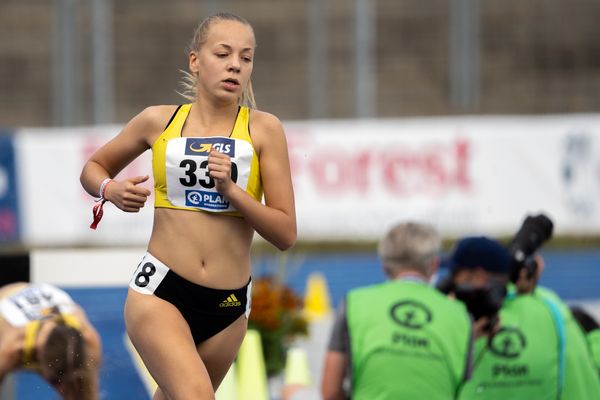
{"x": 126, "y": 194}
{"x": 219, "y": 168}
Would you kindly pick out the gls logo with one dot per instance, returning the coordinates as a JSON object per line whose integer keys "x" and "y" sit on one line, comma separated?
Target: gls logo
{"x": 203, "y": 146}
{"x": 411, "y": 314}
{"x": 508, "y": 343}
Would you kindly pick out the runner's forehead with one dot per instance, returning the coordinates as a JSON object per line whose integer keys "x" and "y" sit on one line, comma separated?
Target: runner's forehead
{"x": 234, "y": 34}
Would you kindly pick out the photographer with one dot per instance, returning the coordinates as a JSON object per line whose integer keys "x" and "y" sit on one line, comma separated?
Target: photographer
{"x": 578, "y": 377}
{"x": 401, "y": 339}
{"x": 591, "y": 329}
{"x": 538, "y": 352}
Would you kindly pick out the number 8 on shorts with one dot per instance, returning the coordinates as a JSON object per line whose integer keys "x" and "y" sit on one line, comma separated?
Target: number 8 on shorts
{"x": 148, "y": 275}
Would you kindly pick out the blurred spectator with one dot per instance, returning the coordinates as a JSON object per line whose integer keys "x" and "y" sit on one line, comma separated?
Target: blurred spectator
{"x": 401, "y": 339}
{"x": 538, "y": 352}
{"x": 591, "y": 329}
{"x": 43, "y": 330}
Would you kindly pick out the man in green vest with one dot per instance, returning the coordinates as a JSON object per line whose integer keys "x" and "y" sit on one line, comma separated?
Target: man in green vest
{"x": 538, "y": 352}
{"x": 591, "y": 329}
{"x": 401, "y": 339}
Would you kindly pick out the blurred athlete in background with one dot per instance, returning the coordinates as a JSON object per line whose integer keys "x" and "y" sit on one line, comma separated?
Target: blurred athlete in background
{"x": 43, "y": 330}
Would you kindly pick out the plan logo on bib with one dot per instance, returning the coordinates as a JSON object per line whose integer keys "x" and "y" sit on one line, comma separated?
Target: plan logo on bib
{"x": 207, "y": 200}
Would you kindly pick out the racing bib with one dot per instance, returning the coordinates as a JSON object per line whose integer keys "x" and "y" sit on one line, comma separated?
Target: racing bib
{"x": 188, "y": 182}
{"x": 35, "y": 302}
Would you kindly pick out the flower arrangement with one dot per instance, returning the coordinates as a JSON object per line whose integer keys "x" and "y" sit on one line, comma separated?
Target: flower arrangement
{"x": 277, "y": 315}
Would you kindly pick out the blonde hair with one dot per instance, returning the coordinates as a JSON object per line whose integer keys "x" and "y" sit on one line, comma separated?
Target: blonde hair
{"x": 189, "y": 80}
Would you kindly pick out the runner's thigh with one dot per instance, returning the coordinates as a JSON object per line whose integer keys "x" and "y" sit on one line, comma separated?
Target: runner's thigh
{"x": 163, "y": 339}
{"x": 219, "y": 351}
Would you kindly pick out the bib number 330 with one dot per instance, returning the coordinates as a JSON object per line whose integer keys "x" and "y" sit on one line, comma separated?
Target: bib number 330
{"x": 198, "y": 174}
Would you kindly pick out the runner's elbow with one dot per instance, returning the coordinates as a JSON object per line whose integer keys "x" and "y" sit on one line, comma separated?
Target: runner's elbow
{"x": 287, "y": 240}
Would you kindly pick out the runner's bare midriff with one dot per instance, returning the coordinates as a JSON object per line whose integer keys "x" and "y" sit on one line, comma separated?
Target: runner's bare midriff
{"x": 207, "y": 249}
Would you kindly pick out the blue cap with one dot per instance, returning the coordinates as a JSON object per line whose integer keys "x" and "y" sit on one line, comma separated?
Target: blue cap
{"x": 479, "y": 252}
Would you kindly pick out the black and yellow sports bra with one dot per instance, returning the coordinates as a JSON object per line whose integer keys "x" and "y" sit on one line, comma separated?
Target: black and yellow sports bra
{"x": 180, "y": 166}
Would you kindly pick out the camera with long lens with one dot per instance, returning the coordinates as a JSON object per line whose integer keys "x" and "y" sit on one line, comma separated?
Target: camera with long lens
{"x": 482, "y": 302}
{"x": 532, "y": 234}
{"x": 487, "y": 300}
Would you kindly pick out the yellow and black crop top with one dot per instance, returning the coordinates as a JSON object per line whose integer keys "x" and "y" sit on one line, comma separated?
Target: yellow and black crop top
{"x": 180, "y": 166}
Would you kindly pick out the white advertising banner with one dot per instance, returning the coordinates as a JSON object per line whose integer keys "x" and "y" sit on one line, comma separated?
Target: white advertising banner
{"x": 464, "y": 175}
{"x": 353, "y": 179}
{"x": 55, "y": 210}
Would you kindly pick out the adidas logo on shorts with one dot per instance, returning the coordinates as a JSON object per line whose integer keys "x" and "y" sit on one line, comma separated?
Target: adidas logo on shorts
{"x": 230, "y": 301}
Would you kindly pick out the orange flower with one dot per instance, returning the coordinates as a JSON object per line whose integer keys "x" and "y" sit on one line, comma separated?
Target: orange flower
{"x": 277, "y": 315}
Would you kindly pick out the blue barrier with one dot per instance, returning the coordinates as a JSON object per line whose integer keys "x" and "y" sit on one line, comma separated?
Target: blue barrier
{"x": 9, "y": 201}
{"x": 572, "y": 274}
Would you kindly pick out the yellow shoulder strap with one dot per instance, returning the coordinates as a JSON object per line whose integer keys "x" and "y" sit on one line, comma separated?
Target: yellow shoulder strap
{"x": 240, "y": 128}
{"x": 71, "y": 320}
{"x": 174, "y": 127}
{"x": 31, "y": 331}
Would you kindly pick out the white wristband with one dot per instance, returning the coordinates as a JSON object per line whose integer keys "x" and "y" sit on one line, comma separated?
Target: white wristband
{"x": 102, "y": 187}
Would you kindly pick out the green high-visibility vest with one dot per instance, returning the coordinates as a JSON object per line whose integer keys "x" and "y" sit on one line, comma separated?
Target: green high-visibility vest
{"x": 580, "y": 374}
{"x": 580, "y": 378}
{"x": 522, "y": 359}
{"x": 408, "y": 341}
{"x": 594, "y": 341}
{"x": 540, "y": 353}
